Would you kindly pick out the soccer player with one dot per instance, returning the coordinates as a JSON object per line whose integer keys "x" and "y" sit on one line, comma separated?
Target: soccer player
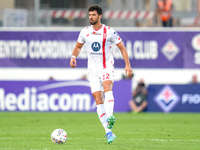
{"x": 97, "y": 39}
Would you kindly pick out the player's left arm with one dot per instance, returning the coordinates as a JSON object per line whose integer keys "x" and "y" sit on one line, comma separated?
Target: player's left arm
{"x": 128, "y": 69}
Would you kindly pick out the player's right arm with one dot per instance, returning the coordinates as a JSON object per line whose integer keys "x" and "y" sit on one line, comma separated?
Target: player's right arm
{"x": 75, "y": 53}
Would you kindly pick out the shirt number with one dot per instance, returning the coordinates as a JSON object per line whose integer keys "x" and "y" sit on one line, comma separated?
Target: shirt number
{"x": 106, "y": 76}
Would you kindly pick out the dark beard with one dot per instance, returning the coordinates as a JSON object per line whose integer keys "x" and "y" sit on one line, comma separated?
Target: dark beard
{"x": 93, "y": 23}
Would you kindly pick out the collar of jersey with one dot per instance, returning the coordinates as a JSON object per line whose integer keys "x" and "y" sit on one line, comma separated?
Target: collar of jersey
{"x": 99, "y": 28}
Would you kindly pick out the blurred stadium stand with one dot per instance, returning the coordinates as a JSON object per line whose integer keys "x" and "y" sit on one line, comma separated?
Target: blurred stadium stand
{"x": 74, "y": 12}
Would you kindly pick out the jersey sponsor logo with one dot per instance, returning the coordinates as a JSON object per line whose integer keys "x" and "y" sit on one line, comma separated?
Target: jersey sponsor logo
{"x": 167, "y": 98}
{"x": 96, "y": 46}
{"x": 96, "y": 33}
{"x": 96, "y": 53}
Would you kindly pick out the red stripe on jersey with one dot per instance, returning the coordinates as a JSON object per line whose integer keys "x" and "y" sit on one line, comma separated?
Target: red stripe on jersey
{"x": 119, "y": 42}
{"x": 80, "y": 43}
{"x": 102, "y": 115}
{"x": 103, "y": 46}
{"x": 110, "y": 100}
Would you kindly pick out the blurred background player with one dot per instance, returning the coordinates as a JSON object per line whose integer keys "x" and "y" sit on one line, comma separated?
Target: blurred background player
{"x": 139, "y": 98}
{"x": 98, "y": 39}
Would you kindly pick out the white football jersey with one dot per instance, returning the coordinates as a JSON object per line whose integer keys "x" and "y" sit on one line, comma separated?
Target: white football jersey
{"x": 98, "y": 44}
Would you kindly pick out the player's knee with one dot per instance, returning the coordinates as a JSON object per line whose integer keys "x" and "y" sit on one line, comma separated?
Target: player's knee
{"x": 107, "y": 86}
{"x": 99, "y": 101}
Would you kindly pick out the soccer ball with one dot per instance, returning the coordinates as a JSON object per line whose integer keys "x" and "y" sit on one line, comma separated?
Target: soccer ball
{"x": 59, "y": 136}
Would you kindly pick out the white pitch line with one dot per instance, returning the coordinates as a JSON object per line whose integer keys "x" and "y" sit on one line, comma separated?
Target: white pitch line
{"x": 163, "y": 140}
{"x": 30, "y": 148}
{"x": 159, "y": 140}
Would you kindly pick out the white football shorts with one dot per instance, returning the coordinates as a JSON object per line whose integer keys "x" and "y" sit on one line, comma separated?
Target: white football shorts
{"x": 97, "y": 77}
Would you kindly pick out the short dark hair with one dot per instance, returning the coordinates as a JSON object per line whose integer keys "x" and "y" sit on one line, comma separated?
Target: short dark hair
{"x": 97, "y": 8}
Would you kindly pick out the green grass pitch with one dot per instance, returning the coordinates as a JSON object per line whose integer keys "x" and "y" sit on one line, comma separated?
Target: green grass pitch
{"x": 145, "y": 131}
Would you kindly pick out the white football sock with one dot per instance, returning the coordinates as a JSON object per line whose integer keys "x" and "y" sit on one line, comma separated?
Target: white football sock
{"x": 109, "y": 103}
{"x": 102, "y": 116}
